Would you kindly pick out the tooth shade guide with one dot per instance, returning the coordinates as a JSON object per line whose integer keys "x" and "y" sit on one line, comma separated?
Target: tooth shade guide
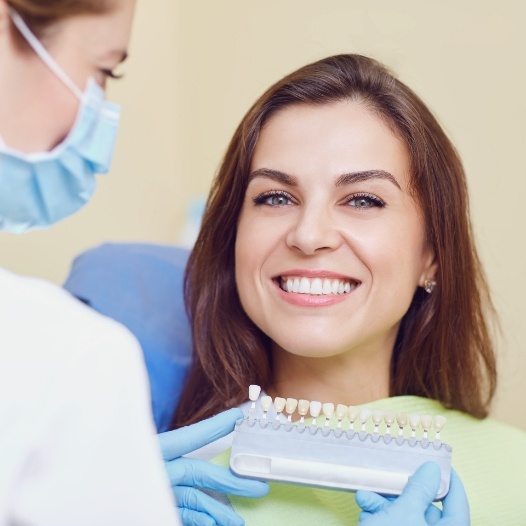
{"x": 286, "y": 448}
{"x": 381, "y": 421}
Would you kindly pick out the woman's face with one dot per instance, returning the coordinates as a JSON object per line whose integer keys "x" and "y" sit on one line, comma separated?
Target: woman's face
{"x": 330, "y": 244}
{"x": 34, "y": 99}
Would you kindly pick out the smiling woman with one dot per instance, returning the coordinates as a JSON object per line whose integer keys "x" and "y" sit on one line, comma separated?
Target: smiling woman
{"x": 336, "y": 262}
{"x": 348, "y": 222}
{"x": 339, "y": 171}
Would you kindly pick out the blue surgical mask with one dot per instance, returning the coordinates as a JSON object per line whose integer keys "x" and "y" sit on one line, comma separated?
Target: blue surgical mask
{"x": 39, "y": 189}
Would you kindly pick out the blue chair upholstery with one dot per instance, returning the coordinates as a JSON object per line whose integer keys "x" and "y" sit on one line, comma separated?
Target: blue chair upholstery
{"x": 141, "y": 286}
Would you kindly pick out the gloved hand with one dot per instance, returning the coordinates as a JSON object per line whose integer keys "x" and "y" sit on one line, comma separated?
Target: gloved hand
{"x": 197, "y": 508}
{"x": 414, "y": 507}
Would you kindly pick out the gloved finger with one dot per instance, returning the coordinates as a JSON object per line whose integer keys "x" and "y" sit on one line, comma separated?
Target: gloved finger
{"x": 176, "y": 443}
{"x": 421, "y": 489}
{"x": 364, "y": 515}
{"x": 195, "y": 518}
{"x": 455, "y": 505}
{"x": 433, "y": 515}
{"x": 370, "y": 502}
{"x": 194, "y": 472}
{"x": 195, "y": 500}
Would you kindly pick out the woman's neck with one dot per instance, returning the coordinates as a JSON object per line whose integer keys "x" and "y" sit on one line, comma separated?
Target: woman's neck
{"x": 351, "y": 378}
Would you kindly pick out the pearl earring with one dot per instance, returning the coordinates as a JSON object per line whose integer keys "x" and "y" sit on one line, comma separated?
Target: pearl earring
{"x": 429, "y": 285}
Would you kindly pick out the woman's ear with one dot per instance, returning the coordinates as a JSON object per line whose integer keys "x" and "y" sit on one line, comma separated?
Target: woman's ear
{"x": 430, "y": 268}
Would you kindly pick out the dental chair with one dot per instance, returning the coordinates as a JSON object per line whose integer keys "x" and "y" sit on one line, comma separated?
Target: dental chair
{"x": 141, "y": 286}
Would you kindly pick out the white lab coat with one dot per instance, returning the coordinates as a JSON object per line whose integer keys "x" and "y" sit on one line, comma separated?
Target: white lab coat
{"x": 77, "y": 440}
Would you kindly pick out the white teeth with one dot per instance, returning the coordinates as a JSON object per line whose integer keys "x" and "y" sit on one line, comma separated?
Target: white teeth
{"x": 296, "y": 285}
{"x": 317, "y": 286}
{"x": 304, "y": 286}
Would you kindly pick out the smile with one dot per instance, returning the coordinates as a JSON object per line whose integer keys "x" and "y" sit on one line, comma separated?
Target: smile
{"x": 317, "y": 286}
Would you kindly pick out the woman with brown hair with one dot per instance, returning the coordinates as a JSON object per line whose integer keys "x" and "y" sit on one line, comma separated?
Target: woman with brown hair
{"x": 336, "y": 262}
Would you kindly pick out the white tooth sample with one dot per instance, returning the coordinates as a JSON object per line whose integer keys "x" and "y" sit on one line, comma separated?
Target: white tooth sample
{"x": 253, "y": 395}
{"x": 304, "y": 286}
{"x": 327, "y": 287}
{"x": 365, "y": 414}
{"x": 401, "y": 419}
{"x": 290, "y": 283}
{"x": 303, "y": 409}
{"x": 341, "y": 287}
{"x": 426, "y": 422}
{"x": 352, "y": 286}
{"x": 377, "y": 419}
{"x": 254, "y": 392}
{"x": 440, "y": 422}
{"x": 296, "y": 285}
{"x": 279, "y": 405}
{"x": 266, "y": 404}
{"x": 334, "y": 286}
{"x": 316, "y": 286}
{"x": 347, "y": 287}
{"x": 341, "y": 412}
{"x": 354, "y": 413}
{"x": 328, "y": 411}
{"x": 315, "y": 409}
{"x": 290, "y": 407}
{"x": 389, "y": 418}
{"x": 414, "y": 422}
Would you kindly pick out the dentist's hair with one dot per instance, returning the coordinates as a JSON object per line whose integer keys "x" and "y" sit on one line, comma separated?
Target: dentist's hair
{"x": 444, "y": 347}
{"x": 41, "y": 14}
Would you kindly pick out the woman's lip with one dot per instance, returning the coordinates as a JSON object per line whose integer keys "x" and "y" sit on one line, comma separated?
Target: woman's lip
{"x": 327, "y": 274}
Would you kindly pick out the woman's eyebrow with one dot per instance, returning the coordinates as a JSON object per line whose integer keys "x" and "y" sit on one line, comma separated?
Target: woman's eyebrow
{"x": 356, "y": 177}
{"x": 342, "y": 180}
{"x": 276, "y": 175}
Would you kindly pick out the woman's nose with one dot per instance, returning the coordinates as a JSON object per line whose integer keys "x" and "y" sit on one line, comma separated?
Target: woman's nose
{"x": 314, "y": 231}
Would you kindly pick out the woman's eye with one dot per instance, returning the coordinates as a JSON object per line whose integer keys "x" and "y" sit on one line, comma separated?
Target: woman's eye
{"x": 111, "y": 74}
{"x": 273, "y": 199}
{"x": 364, "y": 201}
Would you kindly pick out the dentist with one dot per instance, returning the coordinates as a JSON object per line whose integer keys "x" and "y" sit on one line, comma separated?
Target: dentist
{"x": 77, "y": 444}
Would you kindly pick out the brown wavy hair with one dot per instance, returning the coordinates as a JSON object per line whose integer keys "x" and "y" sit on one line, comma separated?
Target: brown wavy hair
{"x": 444, "y": 347}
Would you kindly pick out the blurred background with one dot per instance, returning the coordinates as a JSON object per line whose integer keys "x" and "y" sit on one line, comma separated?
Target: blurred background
{"x": 196, "y": 67}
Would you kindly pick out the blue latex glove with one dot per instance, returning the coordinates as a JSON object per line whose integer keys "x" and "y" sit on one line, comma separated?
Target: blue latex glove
{"x": 415, "y": 505}
{"x": 197, "y": 508}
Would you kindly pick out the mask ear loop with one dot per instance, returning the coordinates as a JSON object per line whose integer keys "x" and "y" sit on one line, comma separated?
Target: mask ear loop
{"x": 43, "y": 53}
